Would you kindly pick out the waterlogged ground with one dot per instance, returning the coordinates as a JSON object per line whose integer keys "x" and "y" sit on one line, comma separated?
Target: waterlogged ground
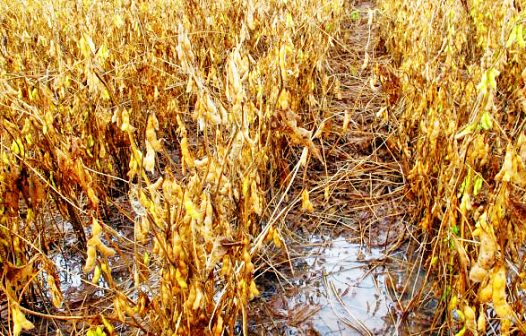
{"x": 338, "y": 285}
{"x": 342, "y": 288}
{"x": 346, "y": 286}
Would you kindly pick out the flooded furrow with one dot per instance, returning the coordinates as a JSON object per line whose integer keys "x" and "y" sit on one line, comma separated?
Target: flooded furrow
{"x": 343, "y": 288}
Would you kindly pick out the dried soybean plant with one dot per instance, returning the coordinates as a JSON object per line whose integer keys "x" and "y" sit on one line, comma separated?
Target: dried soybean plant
{"x": 462, "y": 73}
{"x": 183, "y": 109}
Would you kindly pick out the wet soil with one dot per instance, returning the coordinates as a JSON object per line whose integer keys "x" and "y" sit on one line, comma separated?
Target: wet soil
{"x": 348, "y": 268}
{"x": 341, "y": 287}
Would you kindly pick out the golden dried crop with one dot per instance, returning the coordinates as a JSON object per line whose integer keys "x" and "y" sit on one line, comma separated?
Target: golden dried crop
{"x": 178, "y": 114}
{"x": 461, "y": 130}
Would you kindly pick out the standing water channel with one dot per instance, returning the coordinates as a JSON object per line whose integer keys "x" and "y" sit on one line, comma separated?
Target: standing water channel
{"x": 343, "y": 288}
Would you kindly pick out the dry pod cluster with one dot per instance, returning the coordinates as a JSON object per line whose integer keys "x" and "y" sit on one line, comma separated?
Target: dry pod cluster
{"x": 461, "y": 70}
{"x": 181, "y": 112}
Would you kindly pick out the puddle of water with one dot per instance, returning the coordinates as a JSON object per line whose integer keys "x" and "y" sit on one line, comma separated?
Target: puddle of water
{"x": 348, "y": 293}
{"x": 75, "y": 285}
{"x": 339, "y": 291}
{"x": 69, "y": 270}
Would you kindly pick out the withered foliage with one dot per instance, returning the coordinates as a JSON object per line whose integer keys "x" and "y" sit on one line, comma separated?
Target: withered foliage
{"x": 179, "y": 115}
{"x": 461, "y": 67}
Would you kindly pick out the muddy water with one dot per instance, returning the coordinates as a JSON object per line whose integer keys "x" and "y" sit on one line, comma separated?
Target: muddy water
{"x": 350, "y": 294}
{"x": 343, "y": 289}
{"x": 339, "y": 288}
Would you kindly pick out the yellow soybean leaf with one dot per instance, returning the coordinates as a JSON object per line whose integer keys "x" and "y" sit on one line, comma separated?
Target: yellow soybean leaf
{"x": 270, "y": 234}
{"x": 96, "y": 275}
{"x": 284, "y": 100}
{"x": 306, "y": 204}
{"x": 253, "y": 290}
{"x": 245, "y": 187}
{"x": 96, "y": 229}
{"x": 118, "y": 21}
{"x": 488, "y": 80}
{"x": 289, "y": 20}
{"x": 327, "y": 192}
{"x": 218, "y": 330}
{"x": 198, "y": 297}
{"x": 277, "y": 239}
{"x": 5, "y": 158}
{"x": 180, "y": 279}
{"x": 185, "y": 151}
{"x": 191, "y": 209}
{"x": 516, "y": 35}
{"x": 125, "y": 126}
{"x": 56, "y": 294}
{"x": 92, "y": 197}
{"x": 467, "y": 130}
{"x": 346, "y": 121}
{"x": 107, "y": 325}
{"x": 507, "y": 171}
{"x": 103, "y": 53}
{"x": 146, "y": 259}
{"x": 513, "y": 36}
{"x": 304, "y": 156}
{"x": 461, "y": 332}
{"x": 452, "y": 303}
{"x": 520, "y": 36}
{"x": 33, "y": 94}
{"x": 19, "y": 320}
{"x": 90, "y": 260}
{"x": 149, "y": 158}
{"x": 481, "y": 322}
{"x": 106, "y": 94}
{"x": 14, "y": 148}
{"x": 470, "y": 318}
{"x": 86, "y": 46}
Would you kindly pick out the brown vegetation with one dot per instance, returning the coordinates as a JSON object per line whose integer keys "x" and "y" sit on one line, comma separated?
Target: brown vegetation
{"x": 461, "y": 131}
{"x": 178, "y": 114}
{"x": 169, "y": 149}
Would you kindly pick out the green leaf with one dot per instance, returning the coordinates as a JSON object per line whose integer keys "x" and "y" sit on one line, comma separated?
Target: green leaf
{"x": 516, "y": 35}
{"x": 488, "y": 81}
{"x": 477, "y": 185}
{"x": 467, "y": 130}
{"x": 355, "y": 15}
{"x": 446, "y": 293}
{"x": 513, "y": 36}
{"x": 520, "y": 37}
{"x": 486, "y": 122}
{"x": 463, "y": 186}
